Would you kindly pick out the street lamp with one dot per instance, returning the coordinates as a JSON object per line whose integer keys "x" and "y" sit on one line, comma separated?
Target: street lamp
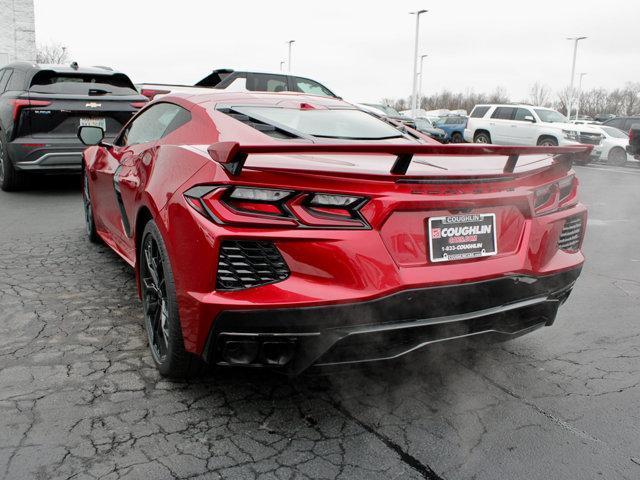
{"x": 575, "y": 39}
{"x": 414, "y": 93}
{"x": 579, "y": 92}
{"x": 422, "y": 57}
{"x": 290, "y": 42}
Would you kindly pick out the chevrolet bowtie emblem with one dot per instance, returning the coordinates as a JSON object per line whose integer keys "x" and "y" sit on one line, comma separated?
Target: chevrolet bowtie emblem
{"x": 93, "y": 105}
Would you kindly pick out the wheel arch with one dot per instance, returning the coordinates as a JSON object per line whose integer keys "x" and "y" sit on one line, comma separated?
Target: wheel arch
{"x": 551, "y": 136}
{"x": 478, "y": 131}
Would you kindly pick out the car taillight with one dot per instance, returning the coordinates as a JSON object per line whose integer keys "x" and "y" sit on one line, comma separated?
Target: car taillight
{"x": 556, "y": 195}
{"x": 151, "y": 93}
{"x": 19, "y": 104}
{"x": 138, "y": 104}
{"x": 251, "y": 206}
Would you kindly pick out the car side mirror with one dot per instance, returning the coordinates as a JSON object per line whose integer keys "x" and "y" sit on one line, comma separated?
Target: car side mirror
{"x": 529, "y": 118}
{"x": 91, "y": 135}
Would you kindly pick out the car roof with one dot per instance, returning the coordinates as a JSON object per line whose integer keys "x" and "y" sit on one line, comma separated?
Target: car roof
{"x": 210, "y": 100}
{"x": 526, "y": 105}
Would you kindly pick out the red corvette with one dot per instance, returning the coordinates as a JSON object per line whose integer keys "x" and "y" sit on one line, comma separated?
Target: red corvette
{"x": 285, "y": 231}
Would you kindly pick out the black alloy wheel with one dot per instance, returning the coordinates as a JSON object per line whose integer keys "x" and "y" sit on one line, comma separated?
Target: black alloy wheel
{"x": 154, "y": 299}
{"x": 88, "y": 209}
{"x": 160, "y": 308}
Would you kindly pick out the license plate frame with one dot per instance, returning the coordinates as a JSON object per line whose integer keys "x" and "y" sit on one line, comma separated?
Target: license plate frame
{"x": 462, "y": 244}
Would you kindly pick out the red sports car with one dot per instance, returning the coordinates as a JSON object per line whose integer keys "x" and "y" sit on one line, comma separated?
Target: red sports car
{"x": 285, "y": 231}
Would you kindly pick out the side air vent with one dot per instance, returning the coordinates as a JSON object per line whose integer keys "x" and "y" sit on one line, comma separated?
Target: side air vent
{"x": 571, "y": 234}
{"x": 246, "y": 264}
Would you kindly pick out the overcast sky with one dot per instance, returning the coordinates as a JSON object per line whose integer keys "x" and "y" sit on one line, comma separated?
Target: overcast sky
{"x": 361, "y": 49}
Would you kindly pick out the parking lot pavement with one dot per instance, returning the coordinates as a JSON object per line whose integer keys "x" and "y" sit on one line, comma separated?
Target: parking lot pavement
{"x": 80, "y": 398}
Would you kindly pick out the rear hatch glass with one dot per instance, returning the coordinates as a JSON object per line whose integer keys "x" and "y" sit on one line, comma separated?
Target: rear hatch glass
{"x": 77, "y": 99}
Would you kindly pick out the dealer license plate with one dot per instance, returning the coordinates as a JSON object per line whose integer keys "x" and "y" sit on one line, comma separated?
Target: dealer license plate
{"x": 460, "y": 237}
{"x": 94, "y": 122}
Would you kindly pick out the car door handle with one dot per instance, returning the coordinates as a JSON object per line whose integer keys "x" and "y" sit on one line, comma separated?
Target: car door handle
{"x": 492, "y": 124}
{"x": 514, "y": 126}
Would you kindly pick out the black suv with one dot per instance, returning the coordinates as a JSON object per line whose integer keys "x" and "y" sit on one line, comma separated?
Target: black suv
{"x": 41, "y": 108}
{"x": 623, "y": 123}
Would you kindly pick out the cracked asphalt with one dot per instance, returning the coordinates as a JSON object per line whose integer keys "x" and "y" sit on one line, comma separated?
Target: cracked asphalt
{"x": 80, "y": 398}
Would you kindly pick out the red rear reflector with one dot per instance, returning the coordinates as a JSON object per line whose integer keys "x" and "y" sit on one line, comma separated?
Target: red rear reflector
{"x": 256, "y": 207}
{"x": 138, "y": 104}
{"x": 34, "y": 145}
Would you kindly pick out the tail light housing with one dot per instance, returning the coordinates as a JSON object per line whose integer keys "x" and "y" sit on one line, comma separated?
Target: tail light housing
{"x": 20, "y": 103}
{"x": 556, "y": 196}
{"x": 138, "y": 104}
{"x": 267, "y": 207}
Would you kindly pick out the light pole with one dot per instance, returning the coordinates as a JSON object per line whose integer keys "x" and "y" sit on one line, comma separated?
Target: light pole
{"x": 290, "y": 42}
{"x": 422, "y": 57}
{"x": 579, "y": 92}
{"x": 414, "y": 93}
{"x": 575, "y": 39}
{"x": 282, "y": 66}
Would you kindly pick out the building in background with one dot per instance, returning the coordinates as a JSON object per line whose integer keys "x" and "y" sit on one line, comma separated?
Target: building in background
{"x": 17, "y": 31}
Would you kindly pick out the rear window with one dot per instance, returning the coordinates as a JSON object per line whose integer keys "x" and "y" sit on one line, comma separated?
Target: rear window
{"x": 48, "y": 81}
{"x": 479, "y": 112}
{"x": 343, "y": 124}
{"x": 266, "y": 83}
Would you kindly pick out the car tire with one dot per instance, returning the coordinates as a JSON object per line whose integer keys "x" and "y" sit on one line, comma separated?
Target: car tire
{"x": 482, "y": 137}
{"x": 160, "y": 307}
{"x": 457, "y": 138}
{"x": 87, "y": 206}
{"x": 617, "y": 157}
{"x": 10, "y": 179}
{"x": 547, "y": 142}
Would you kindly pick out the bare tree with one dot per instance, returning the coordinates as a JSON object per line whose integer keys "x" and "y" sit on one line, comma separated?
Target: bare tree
{"x": 540, "y": 94}
{"x": 52, "y": 53}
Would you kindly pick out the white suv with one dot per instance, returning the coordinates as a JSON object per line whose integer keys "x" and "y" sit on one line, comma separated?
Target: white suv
{"x": 526, "y": 125}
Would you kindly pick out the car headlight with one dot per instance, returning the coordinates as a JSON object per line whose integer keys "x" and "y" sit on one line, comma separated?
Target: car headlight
{"x": 571, "y": 134}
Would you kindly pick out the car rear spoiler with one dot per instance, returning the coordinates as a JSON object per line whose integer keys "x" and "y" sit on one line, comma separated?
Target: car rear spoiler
{"x": 232, "y": 156}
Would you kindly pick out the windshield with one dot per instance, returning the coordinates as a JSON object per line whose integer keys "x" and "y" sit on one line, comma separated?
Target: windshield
{"x": 385, "y": 108}
{"x": 550, "y": 116}
{"x": 423, "y": 123}
{"x": 614, "y": 132}
{"x": 344, "y": 124}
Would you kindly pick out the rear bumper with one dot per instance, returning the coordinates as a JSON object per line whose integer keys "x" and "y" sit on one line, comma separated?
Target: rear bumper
{"x": 46, "y": 154}
{"x": 293, "y": 339}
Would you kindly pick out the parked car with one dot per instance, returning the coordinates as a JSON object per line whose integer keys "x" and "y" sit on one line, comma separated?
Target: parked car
{"x": 603, "y": 117}
{"x": 227, "y": 79}
{"x": 526, "y": 125}
{"x": 623, "y": 123}
{"x": 41, "y": 107}
{"x": 297, "y": 231}
{"x": 387, "y": 113}
{"x": 634, "y": 141}
{"x": 612, "y": 149}
{"x": 453, "y": 127}
{"x": 425, "y": 126}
